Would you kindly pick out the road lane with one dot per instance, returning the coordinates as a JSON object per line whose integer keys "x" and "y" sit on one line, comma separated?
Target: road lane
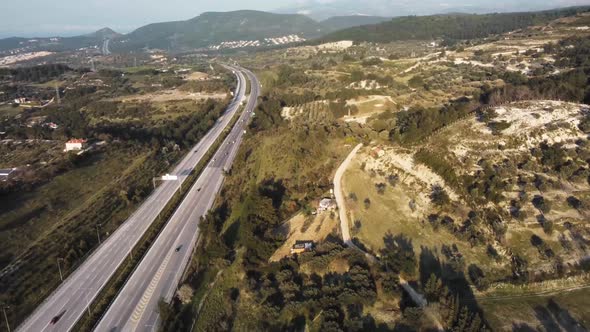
{"x": 159, "y": 272}
{"x": 84, "y": 284}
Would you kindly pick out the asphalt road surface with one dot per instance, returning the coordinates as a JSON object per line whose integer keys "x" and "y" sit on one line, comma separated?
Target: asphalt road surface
{"x": 159, "y": 273}
{"x": 105, "y": 47}
{"x": 71, "y": 300}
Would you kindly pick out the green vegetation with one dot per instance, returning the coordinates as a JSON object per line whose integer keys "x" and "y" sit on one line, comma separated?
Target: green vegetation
{"x": 214, "y": 27}
{"x": 39, "y": 74}
{"x": 449, "y": 27}
{"x": 59, "y": 201}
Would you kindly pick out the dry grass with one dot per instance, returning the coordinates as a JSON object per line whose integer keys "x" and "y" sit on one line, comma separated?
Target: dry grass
{"x": 300, "y": 227}
{"x": 171, "y": 95}
{"x": 391, "y": 213}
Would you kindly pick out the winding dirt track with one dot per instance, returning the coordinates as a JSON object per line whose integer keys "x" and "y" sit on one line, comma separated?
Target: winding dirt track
{"x": 344, "y": 227}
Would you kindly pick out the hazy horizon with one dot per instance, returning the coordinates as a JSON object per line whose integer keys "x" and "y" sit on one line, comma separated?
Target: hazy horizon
{"x": 70, "y": 17}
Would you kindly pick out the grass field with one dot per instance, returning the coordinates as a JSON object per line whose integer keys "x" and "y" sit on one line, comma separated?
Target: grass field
{"x": 27, "y": 216}
{"x": 8, "y": 110}
{"x": 549, "y": 313}
{"x": 390, "y": 213}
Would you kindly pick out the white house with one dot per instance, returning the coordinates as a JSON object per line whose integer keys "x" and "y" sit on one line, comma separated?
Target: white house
{"x": 6, "y": 173}
{"x": 326, "y": 204}
{"x": 75, "y": 145}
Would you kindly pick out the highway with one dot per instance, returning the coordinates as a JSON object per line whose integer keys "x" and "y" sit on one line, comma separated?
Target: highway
{"x": 160, "y": 271}
{"x": 105, "y": 47}
{"x": 72, "y": 298}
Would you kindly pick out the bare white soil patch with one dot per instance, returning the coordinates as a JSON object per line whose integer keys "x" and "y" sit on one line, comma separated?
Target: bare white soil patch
{"x": 11, "y": 59}
{"x": 530, "y": 122}
{"x": 411, "y": 173}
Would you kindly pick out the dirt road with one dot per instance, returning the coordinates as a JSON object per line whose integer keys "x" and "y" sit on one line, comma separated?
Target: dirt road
{"x": 344, "y": 227}
{"x": 340, "y": 199}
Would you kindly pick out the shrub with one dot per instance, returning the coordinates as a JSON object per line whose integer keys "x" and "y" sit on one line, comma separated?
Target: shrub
{"x": 380, "y": 188}
{"x": 541, "y": 204}
{"x": 439, "y": 196}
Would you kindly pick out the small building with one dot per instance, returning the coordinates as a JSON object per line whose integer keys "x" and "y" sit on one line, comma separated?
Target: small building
{"x": 302, "y": 246}
{"x": 6, "y": 173}
{"x": 326, "y": 204}
{"x": 51, "y": 125}
{"x": 377, "y": 152}
{"x": 75, "y": 145}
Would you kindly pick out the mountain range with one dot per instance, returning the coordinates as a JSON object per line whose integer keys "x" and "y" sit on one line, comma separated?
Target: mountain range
{"x": 323, "y": 9}
{"x": 58, "y": 43}
{"x": 213, "y": 28}
{"x": 450, "y": 27}
{"x": 207, "y": 29}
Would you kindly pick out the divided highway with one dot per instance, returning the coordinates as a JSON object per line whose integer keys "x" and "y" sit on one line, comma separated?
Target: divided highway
{"x": 160, "y": 271}
{"x": 72, "y": 298}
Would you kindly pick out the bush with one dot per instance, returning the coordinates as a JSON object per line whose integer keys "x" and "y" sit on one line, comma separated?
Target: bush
{"x": 367, "y": 203}
{"x": 439, "y": 196}
{"x": 541, "y": 204}
{"x": 393, "y": 179}
{"x": 548, "y": 227}
{"x": 380, "y": 188}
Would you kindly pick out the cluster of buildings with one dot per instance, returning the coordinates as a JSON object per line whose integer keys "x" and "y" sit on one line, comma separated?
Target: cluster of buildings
{"x": 283, "y": 40}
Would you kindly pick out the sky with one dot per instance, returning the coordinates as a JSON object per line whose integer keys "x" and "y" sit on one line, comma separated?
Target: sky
{"x": 45, "y": 18}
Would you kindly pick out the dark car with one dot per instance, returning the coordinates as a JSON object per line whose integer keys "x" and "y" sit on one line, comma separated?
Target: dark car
{"x": 56, "y": 318}
{"x": 178, "y": 248}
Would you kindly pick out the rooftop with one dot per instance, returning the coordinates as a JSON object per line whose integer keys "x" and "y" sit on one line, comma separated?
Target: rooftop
{"x": 6, "y": 171}
{"x": 76, "y": 140}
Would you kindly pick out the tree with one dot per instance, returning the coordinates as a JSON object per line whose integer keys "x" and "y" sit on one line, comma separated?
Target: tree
{"x": 398, "y": 254}
{"x": 541, "y": 204}
{"x": 433, "y": 289}
{"x": 439, "y": 196}
{"x": 393, "y": 179}
{"x": 380, "y": 188}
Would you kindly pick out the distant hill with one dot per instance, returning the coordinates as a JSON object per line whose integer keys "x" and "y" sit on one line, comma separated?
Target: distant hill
{"x": 322, "y": 9}
{"x": 58, "y": 43}
{"x": 215, "y": 27}
{"x": 342, "y": 22}
{"x": 451, "y": 26}
{"x": 104, "y": 33}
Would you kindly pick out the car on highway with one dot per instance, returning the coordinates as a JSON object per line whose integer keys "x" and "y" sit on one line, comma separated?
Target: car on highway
{"x": 178, "y": 248}
{"x": 56, "y": 318}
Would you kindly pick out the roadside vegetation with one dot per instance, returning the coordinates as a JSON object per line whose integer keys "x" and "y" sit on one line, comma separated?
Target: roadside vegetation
{"x": 471, "y": 185}
{"x": 57, "y": 203}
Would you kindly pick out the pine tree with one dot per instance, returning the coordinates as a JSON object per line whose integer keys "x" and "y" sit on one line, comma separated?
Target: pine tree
{"x": 475, "y": 325}
{"x": 463, "y": 321}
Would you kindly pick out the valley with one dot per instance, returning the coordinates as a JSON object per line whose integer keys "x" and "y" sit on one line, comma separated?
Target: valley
{"x": 256, "y": 171}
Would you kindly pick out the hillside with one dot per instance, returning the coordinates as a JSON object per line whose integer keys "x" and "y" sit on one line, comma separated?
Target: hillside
{"x": 57, "y": 43}
{"x": 473, "y": 186}
{"x": 215, "y": 27}
{"x": 217, "y": 30}
{"x": 321, "y": 10}
{"x": 343, "y": 22}
{"x": 452, "y": 26}
{"x": 212, "y": 28}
